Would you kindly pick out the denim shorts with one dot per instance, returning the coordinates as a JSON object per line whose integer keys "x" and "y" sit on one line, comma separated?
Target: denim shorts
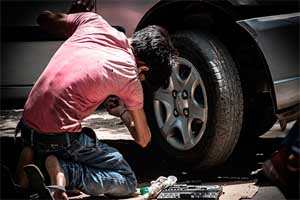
{"x": 92, "y": 166}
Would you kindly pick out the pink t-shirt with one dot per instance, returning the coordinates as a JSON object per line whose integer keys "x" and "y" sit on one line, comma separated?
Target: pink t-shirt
{"x": 96, "y": 61}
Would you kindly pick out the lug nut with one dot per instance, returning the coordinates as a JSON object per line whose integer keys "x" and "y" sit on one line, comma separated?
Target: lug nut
{"x": 174, "y": 93}
{"x": 175, "y": 113}
{"x": 185, "y": 94}
{"x": 186, "y": 112}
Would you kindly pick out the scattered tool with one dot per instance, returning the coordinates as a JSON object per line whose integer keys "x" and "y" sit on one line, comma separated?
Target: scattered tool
{"x": 165, "y": 188}
{"x": 157, "y": 186}
{"x": 190, "y": 192}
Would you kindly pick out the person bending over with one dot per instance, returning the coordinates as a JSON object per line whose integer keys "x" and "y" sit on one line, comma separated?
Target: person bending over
{"x": 95, "y": 62}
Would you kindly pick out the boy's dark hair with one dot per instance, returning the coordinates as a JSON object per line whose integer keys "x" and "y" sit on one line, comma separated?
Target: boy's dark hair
{"x": 153, "y": 46}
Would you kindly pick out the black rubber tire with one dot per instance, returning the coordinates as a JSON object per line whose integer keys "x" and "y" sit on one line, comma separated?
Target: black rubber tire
{"x": 225, "y": 101}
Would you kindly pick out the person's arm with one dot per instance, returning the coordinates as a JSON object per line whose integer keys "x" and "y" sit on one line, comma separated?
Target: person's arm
{"x": 135, "y": 120}
{"x": 56, "y": 23}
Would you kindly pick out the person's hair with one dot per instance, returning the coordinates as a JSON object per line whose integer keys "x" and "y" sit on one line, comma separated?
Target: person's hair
{"x": 152, "y": 45}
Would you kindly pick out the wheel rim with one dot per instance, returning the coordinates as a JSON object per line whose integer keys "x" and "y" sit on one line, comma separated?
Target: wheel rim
{"x": 180, "y": 107}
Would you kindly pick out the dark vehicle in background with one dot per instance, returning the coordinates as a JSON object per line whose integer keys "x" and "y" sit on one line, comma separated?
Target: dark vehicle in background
{"x": 238, "y": 70}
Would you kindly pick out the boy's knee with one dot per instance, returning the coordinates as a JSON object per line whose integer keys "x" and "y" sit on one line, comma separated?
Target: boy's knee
{"x": 133, "y": 186}
{"x": 122, "y": 192}
{"x": 126, "y": 189}
{"x": 112, "y": 187}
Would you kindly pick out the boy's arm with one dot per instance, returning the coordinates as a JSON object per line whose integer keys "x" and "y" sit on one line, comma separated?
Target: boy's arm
{"x": 56, "y": 23}
{"x": 136, "y": 122}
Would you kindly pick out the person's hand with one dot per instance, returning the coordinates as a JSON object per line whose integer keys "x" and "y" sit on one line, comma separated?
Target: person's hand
{"x": 114, "y": 106}
{"x": 82, "y": 6}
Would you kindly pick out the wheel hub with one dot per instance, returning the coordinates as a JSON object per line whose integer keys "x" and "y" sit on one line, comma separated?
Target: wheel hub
{"x": 181, "y": 104}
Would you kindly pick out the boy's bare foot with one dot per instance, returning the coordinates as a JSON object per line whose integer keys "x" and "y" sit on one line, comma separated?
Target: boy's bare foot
{"x": 59, "y": 195}
{"x": 57, "y": 177}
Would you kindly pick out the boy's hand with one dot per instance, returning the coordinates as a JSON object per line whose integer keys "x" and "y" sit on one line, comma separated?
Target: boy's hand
{"x": 114, "y": 106}
{"x": 82, "y": 6}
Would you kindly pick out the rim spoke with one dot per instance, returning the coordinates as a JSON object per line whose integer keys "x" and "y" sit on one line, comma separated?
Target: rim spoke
{"x": 191, "y": 80}
{"x": 171, "y": 86}
{"x": 185, "y": 131}
{"x": 197, "y": 111}
{"x": 164, "y": 96}
{"x": 168, "y": 125}
{"x": 175, "y": 78}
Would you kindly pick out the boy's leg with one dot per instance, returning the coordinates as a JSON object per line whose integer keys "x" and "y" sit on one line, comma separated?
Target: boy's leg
{"x": 26, "y": 157}
{"x": 57, "y": 176}
{"x": 98, "y": 169}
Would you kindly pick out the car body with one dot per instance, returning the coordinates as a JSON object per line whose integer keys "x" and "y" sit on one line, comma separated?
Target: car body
{"x": 238, "y": 68}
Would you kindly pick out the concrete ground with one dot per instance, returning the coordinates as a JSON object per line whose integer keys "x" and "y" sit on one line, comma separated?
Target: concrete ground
{"x": 237, "y": 179}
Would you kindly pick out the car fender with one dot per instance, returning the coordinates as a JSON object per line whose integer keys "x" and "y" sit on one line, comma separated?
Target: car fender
{"x": 282, "y": 56}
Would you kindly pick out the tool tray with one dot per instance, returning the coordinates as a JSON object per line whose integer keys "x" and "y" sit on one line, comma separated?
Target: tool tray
{"x": 184, "y": 191}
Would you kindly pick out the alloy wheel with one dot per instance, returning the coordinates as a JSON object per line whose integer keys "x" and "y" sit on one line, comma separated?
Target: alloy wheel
{"x": 181, "y": 108}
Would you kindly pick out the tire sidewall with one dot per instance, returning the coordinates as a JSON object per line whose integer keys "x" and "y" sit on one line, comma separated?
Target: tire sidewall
{"x": 196, "y": 48}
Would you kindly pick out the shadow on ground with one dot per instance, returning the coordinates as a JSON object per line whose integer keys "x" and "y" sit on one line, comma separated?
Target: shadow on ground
{"x": 149, "y": 164}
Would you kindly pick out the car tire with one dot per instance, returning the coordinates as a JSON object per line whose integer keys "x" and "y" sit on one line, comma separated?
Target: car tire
{"x": 206, "y": 92}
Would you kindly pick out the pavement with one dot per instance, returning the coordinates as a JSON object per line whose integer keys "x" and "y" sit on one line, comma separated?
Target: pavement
{"x": 109, "y": 128}
{"x": 105, "y": 125}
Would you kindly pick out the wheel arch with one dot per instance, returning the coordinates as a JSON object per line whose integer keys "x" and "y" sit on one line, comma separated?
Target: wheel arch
{"x": 220, "y": 19}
